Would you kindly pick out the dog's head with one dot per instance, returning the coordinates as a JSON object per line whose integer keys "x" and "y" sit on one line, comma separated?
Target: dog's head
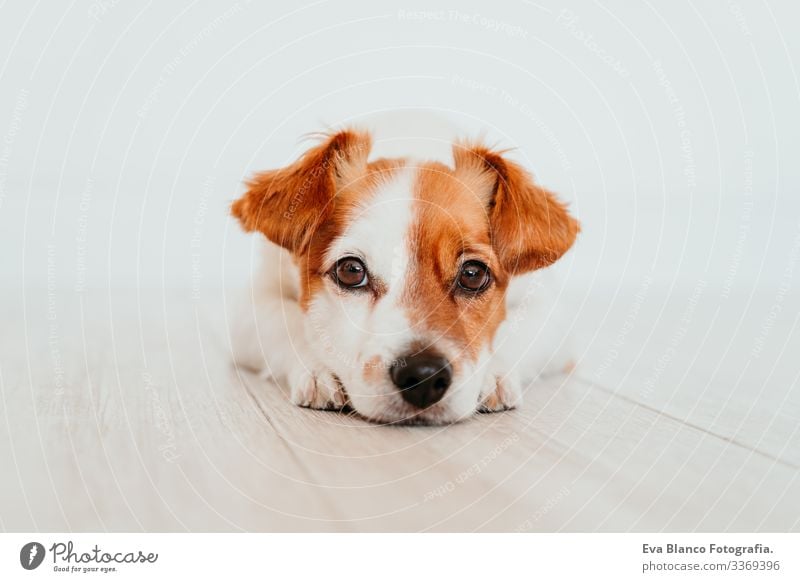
{"x": 404, "y": 265}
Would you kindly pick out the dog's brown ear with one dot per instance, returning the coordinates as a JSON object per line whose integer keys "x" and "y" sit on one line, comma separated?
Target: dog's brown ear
{"x": 288, "y": 204}
{"x": 530, "y": 228}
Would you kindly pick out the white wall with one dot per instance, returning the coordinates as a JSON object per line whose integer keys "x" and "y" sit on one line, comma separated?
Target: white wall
{"x": 126, "y": 128}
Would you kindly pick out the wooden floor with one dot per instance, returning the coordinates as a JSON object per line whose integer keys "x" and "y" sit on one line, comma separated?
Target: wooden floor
{"x": 120, "y": 411}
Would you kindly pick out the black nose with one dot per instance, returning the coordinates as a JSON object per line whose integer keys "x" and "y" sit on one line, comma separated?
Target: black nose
{"x": 422, "y": 379}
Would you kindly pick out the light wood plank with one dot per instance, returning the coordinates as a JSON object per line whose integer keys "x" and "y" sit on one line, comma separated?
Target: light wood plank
{"x": 726, "y": 364}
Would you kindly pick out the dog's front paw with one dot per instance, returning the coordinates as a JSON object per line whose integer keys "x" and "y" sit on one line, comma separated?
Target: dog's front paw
{"x": 318, "y": 390}
{"x": 502, "y": 392}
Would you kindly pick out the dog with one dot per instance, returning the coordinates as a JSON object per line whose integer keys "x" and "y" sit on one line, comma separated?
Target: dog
{"x": 406, "y": 290}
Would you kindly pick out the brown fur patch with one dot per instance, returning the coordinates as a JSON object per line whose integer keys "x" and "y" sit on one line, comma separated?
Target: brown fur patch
{"x": 530, "y": 228}
{"x": 288, "y": 205}
{"x": 374, "y": 370}
{"x": 306, "y": 205}
{"x": 451, "y": 226}
{"x": 487, "y": 209}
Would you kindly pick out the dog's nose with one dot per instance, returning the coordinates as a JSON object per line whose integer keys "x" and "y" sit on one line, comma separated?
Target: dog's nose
{"x": 422, "y": 379}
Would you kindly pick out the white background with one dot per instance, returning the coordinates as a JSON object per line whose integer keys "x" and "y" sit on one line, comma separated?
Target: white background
{"x": 127, "y": 128}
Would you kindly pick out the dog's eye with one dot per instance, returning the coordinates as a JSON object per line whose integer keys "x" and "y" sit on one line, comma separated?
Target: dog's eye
{"x": 350, "y": 272}
{"x": 474, "y": 276}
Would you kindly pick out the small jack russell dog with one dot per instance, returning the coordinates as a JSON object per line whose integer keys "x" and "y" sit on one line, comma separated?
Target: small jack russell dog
{"x": 397, "y": 287}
